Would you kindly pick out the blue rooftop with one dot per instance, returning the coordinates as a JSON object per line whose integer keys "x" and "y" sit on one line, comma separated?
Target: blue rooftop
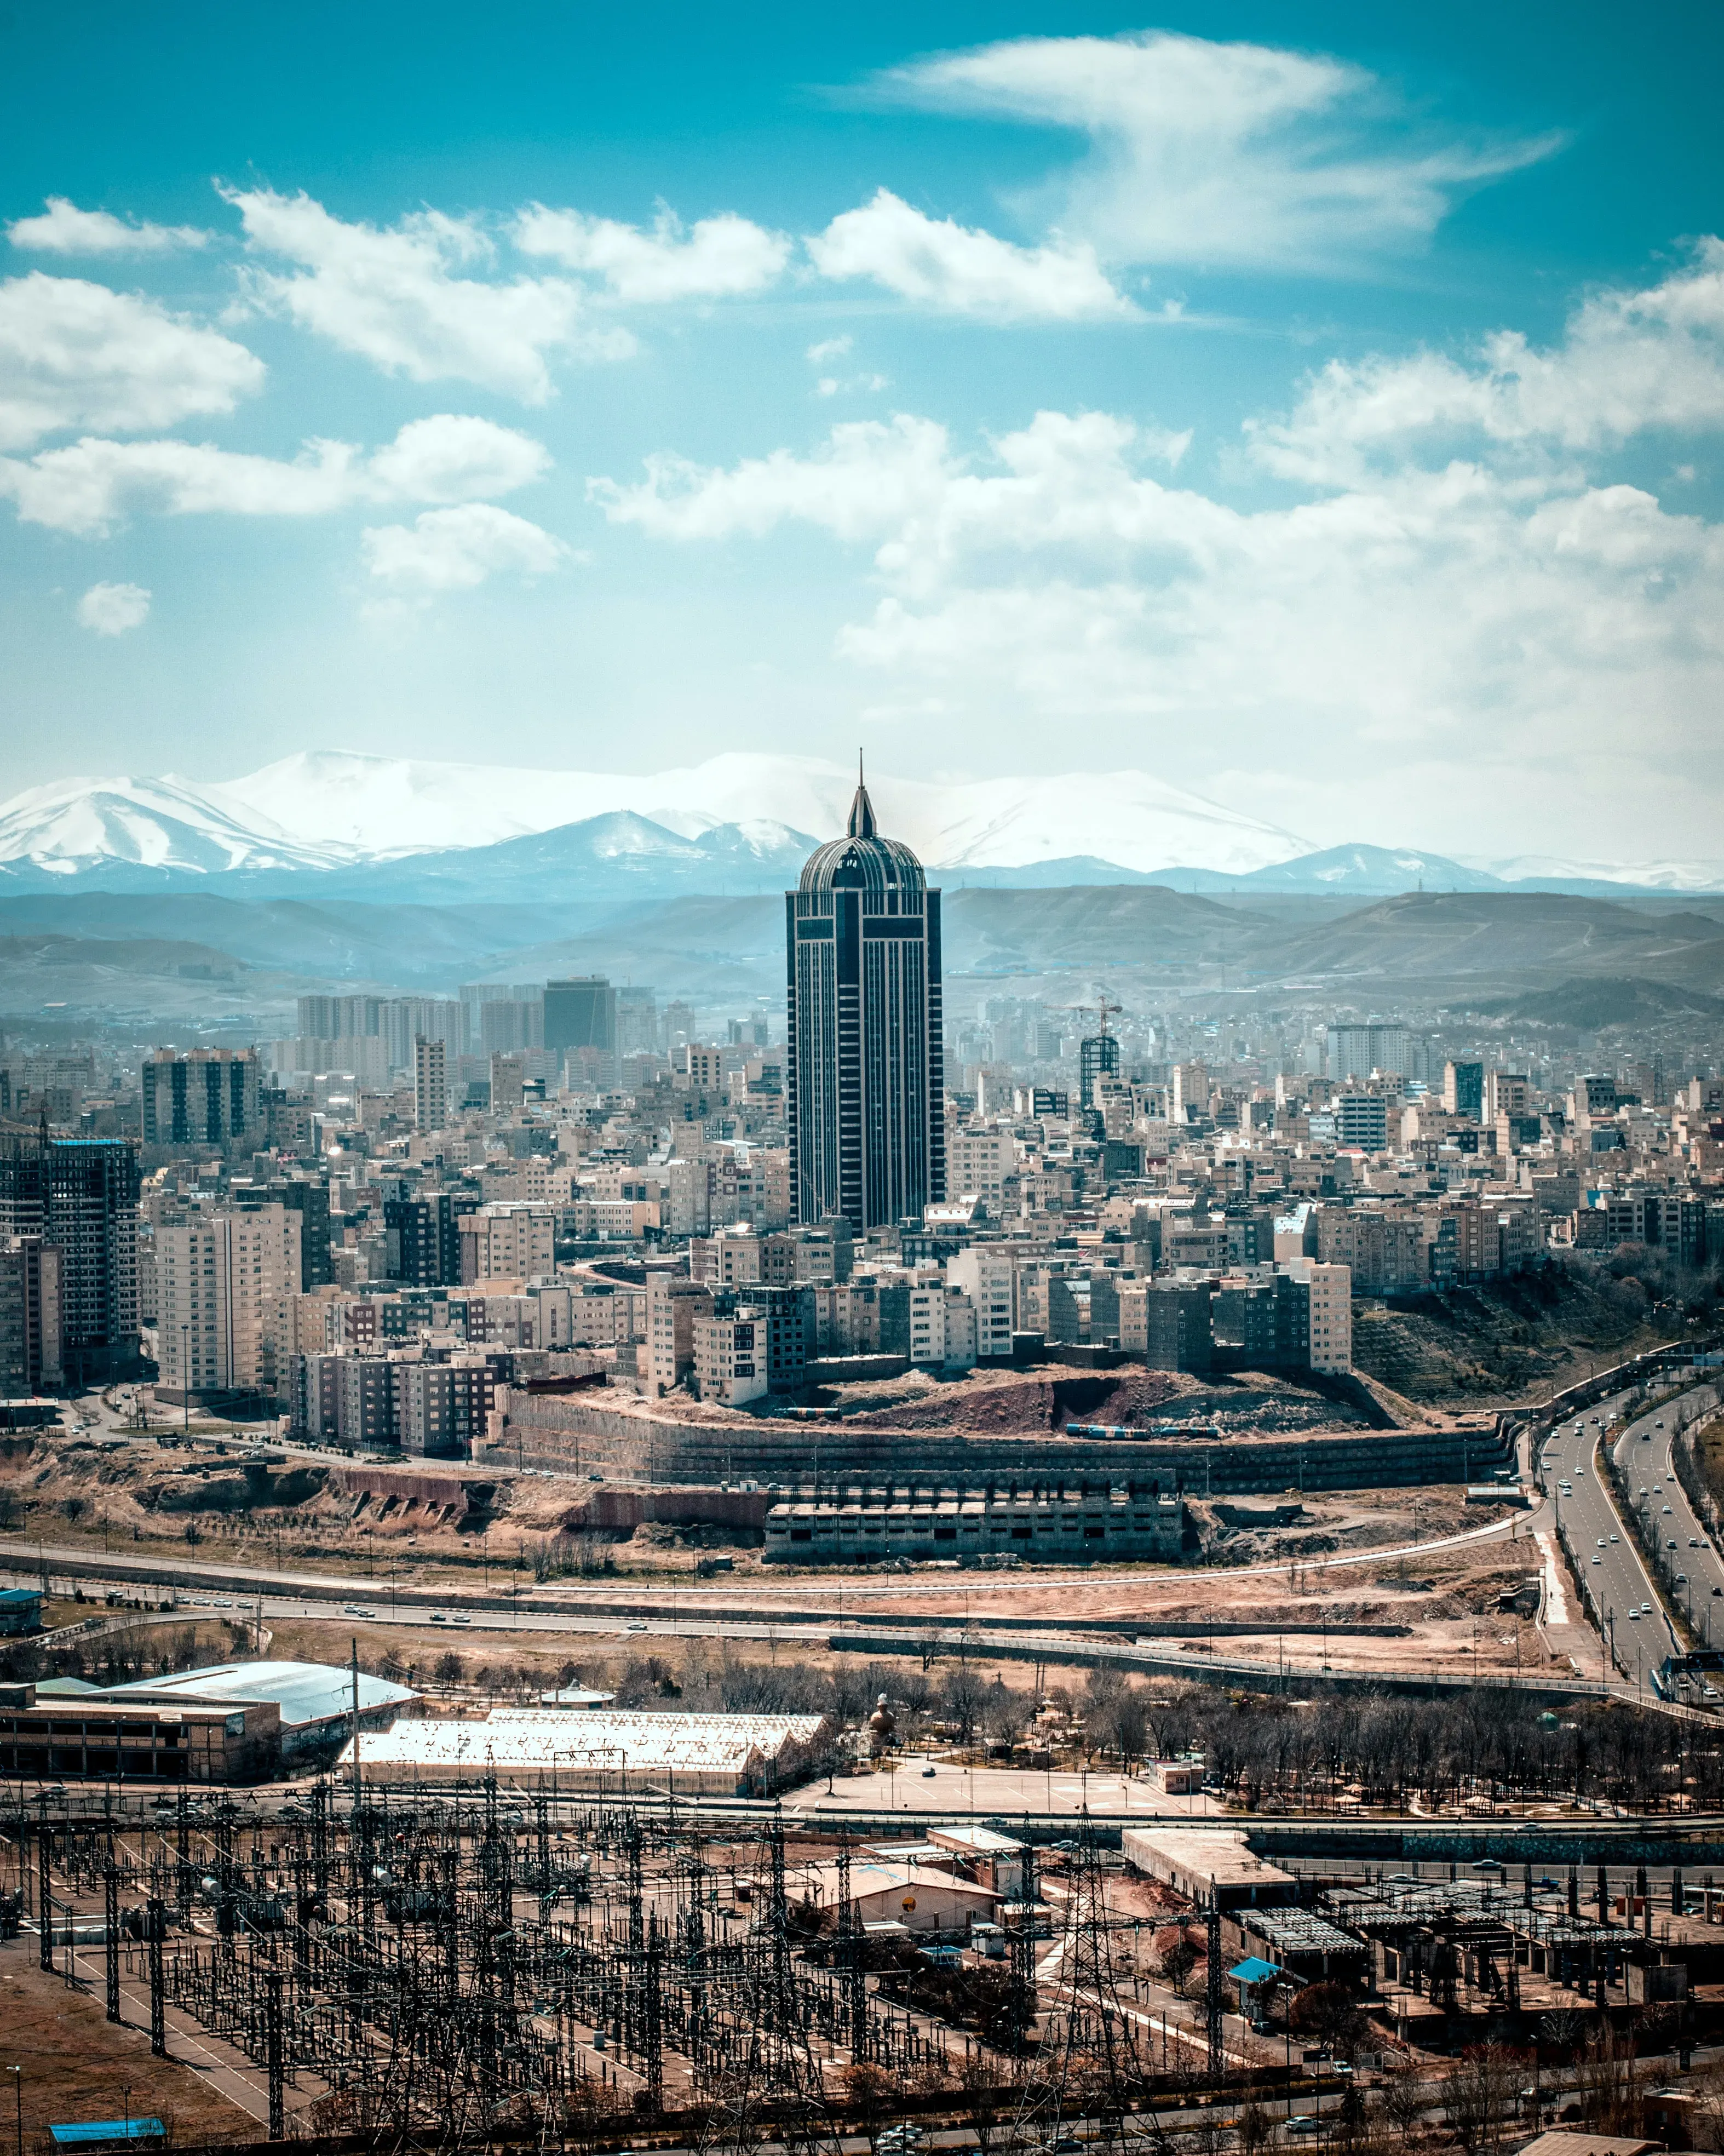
{"x": 106, "y": 2129}
{"x": 304, "y": 1692}
{"x": 1253, "y": 1969}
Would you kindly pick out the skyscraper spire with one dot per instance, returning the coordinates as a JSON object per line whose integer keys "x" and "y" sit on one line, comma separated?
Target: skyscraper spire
{"x": 861, "y": 823}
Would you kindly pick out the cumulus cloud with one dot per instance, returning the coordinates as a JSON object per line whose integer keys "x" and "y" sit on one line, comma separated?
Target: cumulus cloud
{"x": 447, "y": 549}
{"x": 111, "y": 609}
{"x": 1218, "y": 155}
{"x": 1450, "y": 628}
{"x": 74, "y": 354}
{"x": 63, "y": 228}
{"x": 407, "y": 297}
{"x": 1629, "y": 361}
{"x": 722, "y": 257}
{"x": 868, "y": 476}
{"x": 89, "y": 485}
{"x": 947, "y": 266}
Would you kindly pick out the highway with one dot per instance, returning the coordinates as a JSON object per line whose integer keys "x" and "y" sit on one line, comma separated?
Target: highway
{"x": 1603, "y": 1544}
{"x": 1605, "y": 1549}
{"x": 1644, "y": 1455}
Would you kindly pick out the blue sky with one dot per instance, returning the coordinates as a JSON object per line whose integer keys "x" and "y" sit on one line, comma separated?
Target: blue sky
{"x": 1317, "y": 406}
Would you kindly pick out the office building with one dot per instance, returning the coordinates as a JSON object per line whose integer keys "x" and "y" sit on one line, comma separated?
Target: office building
{"x": 865, "y": 1054}
{"x": 81, "y": 1195}
{"x": 580, "y": 1024}
{"x": 1464, "y": 1090}
{"x": 209, "y": 1096}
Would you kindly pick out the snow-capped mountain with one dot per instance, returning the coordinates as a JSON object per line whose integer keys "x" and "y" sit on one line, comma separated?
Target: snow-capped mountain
{"x": 394, "y": 827}
{"x": 326, "y": 808}
{"x": 74, "y": 824}
{"x": 1706, "y": 875}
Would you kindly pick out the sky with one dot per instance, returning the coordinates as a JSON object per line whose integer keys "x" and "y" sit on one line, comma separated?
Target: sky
{"x": 1317, "y": 406}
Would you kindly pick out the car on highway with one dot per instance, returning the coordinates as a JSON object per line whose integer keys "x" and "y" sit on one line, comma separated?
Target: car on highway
{"x": 1695, "y": 1543}
{"x": 1681, "y": 1579}
{"x": 1596, "y": 1560}
{"x": 1634, "y": 1614}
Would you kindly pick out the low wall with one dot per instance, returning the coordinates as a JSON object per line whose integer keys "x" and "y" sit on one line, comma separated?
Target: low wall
{"x": 573, "y": 1436}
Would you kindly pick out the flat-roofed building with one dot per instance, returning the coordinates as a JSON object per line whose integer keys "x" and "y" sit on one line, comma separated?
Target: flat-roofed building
{"x": 1079, "y": 1524}
{"x": 1208, "y": 1863}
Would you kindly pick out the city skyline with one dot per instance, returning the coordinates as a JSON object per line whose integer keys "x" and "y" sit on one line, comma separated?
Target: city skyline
{"x": 1315, "y": 414}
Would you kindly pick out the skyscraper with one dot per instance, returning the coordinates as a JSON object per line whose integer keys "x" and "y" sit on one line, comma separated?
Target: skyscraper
{"x": 864, "y": 1055}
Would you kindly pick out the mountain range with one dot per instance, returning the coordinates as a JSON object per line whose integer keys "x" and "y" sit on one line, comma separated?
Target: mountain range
{"x": 327, "y": 824}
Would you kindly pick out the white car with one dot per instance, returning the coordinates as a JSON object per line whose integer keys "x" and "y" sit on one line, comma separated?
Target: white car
{"x": 1596, "y": 1560}
{"x": 1634, "y": 1615}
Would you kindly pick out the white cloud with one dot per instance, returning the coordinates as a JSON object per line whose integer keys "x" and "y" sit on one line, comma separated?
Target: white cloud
{"x": 63, "y": 228}
{"x": 450, "y": 458}
{"x": 74, "y": 354}
{"x": 1218, "y": 154}
{"x": 954, "y": 269}
{"x": 870, "y": 476}
{"x": 828, "y": 349}
{"x": 111, "y": 609}
{"x": 447, "y": 549}
{"x": 89, "y": 485}
{"x": 1629, "y": 361}
{"x": 398, "y": 297}
{"x": 721, "y": 258}
{"x": 1459, "y": 635}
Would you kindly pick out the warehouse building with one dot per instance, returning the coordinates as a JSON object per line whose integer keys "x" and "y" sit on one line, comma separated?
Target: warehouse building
{"x": 694, "y": 1754}
{"x": 234, "y": 1723}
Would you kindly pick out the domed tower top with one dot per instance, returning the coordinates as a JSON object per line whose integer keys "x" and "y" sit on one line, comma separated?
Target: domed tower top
{"x": 862, "y": 860}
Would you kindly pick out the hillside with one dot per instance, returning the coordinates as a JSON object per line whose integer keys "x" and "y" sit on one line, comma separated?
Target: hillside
{"x": 1503, "y": 1342}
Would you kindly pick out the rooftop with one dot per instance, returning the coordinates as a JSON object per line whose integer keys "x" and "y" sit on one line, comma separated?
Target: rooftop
{"x": 304, "y": 1692}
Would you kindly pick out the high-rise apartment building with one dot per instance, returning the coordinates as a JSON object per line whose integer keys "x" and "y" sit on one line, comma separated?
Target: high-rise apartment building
{"x": 864, "y": 1073}
{"x": 1355, "y": 1051}
{"x": 423, "y": 1238}
{"x": 30, "y": 1317}
{"x": 430, "y": 1084}
{"x": 81, "y": 1195}
{"x": 218, "y": 1282}
{"x": 207, "y": 1096}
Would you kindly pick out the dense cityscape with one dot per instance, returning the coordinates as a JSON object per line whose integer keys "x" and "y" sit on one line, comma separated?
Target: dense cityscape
{"x": 861, "y": 1081}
